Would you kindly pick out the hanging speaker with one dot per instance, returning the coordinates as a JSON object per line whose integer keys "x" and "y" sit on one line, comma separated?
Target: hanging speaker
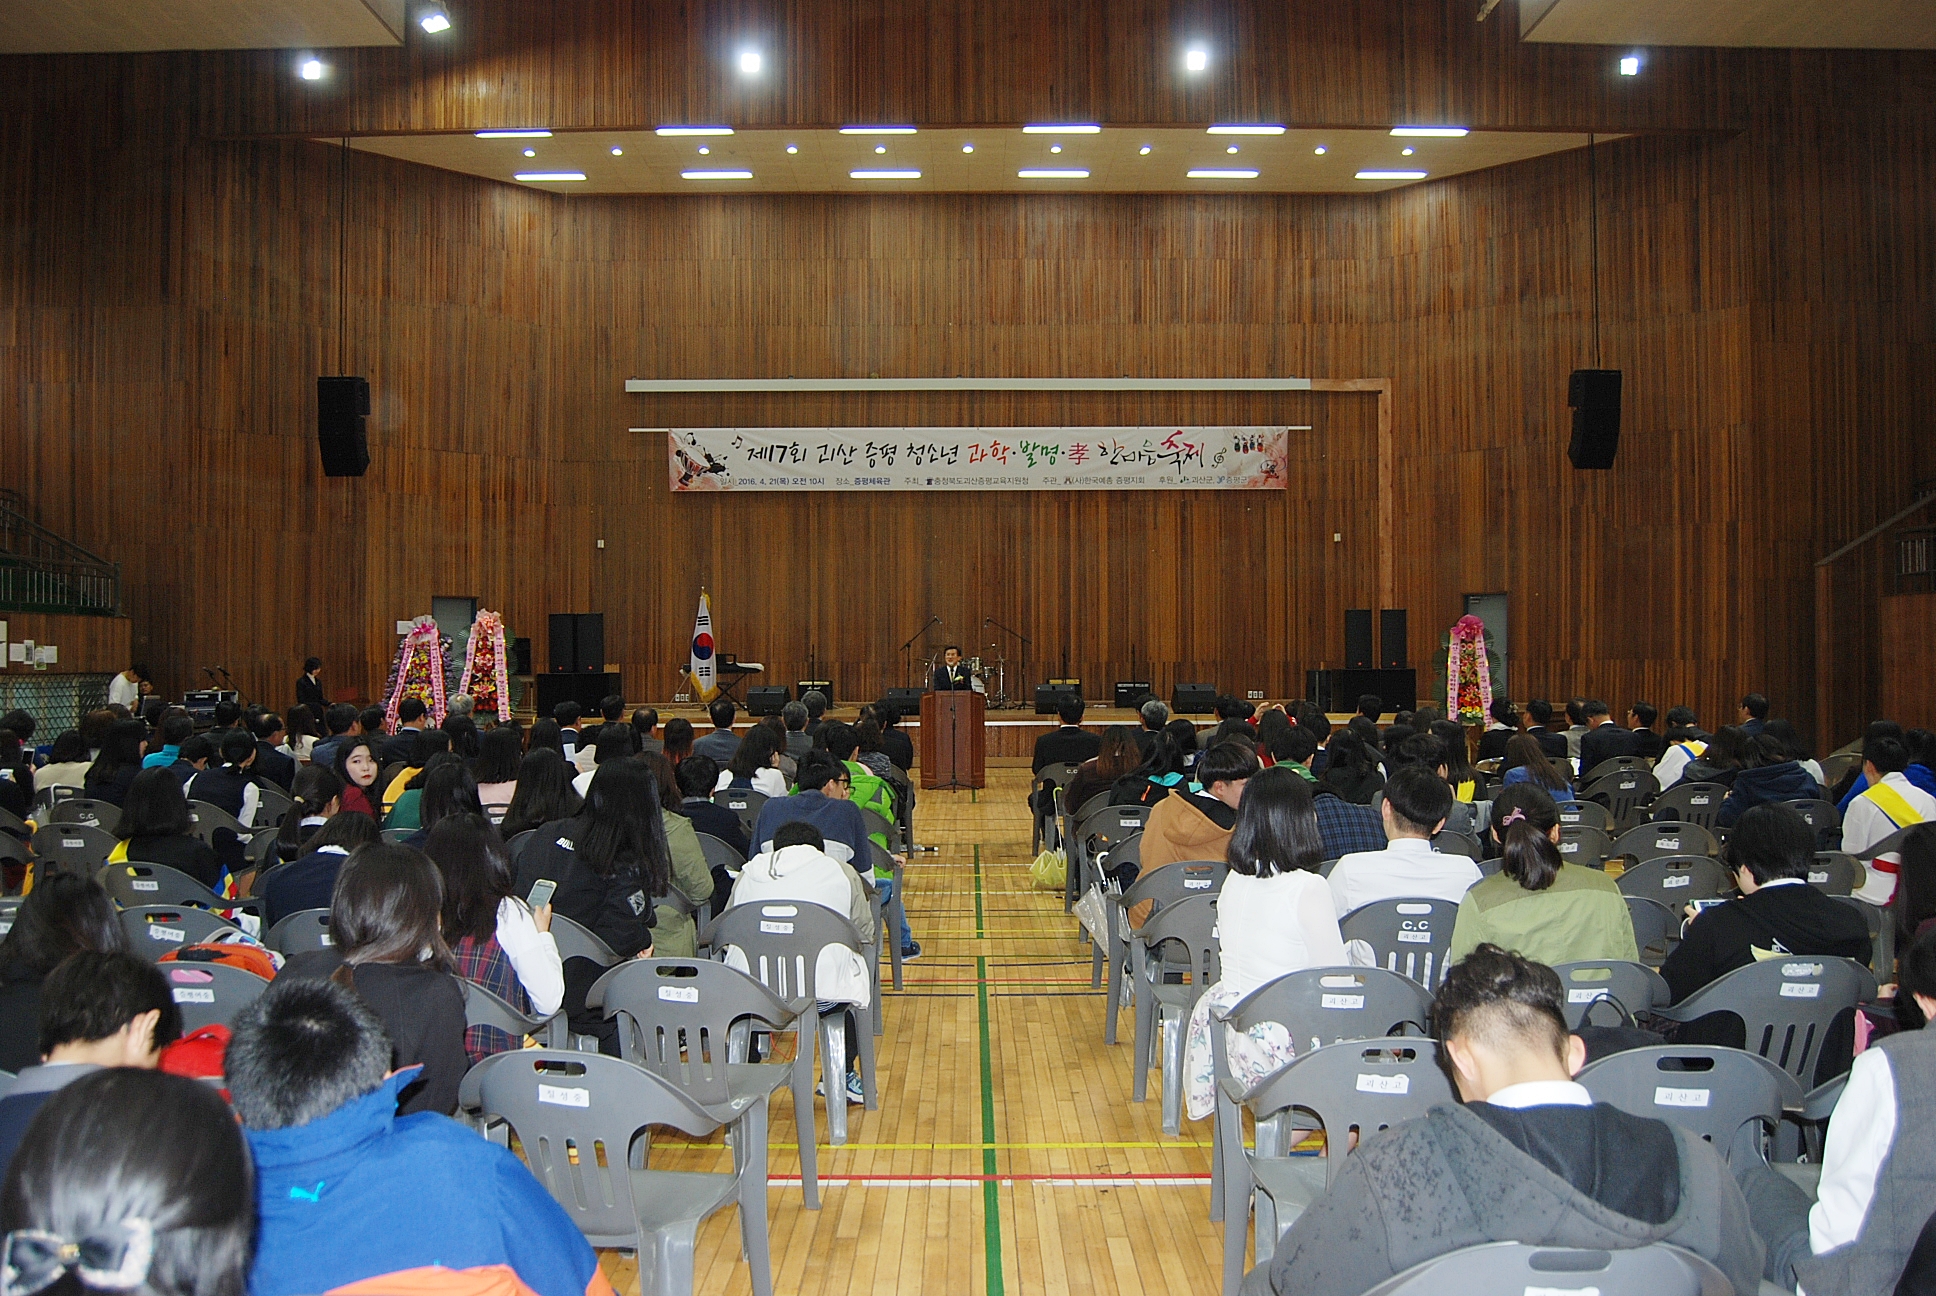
{"x": 341, "y": 406}
{"x": 1594, "y": 395}
{"x": 1357, "y": 638}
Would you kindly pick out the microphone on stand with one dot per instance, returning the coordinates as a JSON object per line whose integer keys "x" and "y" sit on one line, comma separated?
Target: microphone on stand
{"x": 211, "y": 675}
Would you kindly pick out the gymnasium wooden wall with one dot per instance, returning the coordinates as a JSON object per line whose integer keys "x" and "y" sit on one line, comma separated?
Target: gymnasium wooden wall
{"x": 167, "y": 295}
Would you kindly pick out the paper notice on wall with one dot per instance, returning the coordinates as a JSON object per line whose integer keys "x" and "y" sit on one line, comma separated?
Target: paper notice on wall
{"x": 16, "y": 652}
{"x": 49, "y": 654}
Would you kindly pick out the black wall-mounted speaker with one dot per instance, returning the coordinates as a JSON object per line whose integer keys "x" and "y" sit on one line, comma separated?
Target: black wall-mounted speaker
{"x": 1357, "y": 639}
{"x": 341, "y": 406}
{"x": 1392, "y": 652}
{"x": 1594, "y": 395}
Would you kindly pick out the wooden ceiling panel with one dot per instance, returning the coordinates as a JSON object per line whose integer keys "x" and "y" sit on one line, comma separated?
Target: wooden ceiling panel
{"x": 125, "y": 26}
{"x": 1767, "y": 24}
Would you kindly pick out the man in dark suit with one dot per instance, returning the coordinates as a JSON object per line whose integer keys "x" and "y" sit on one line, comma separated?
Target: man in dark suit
{"x": 1071, "y": 743}
{"x": 1640, "y": 722}
{"x": 276, "y": 766}
{"x": 1502, "y": 730}
{"x": 309, "y": 690}
{"x": 952, "y": 673}
{"x": 406, "y": 744}
{"x": 1603, "y": 739}
{"x": 1540, "y": 712}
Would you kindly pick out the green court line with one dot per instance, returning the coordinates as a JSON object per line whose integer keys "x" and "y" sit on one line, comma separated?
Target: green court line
{"x": 991, "y": 1195}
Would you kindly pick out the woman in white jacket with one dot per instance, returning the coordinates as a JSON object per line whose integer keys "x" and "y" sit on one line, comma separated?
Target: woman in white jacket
{"x": 495, "y": 938}
{"x": 756, "y": 765}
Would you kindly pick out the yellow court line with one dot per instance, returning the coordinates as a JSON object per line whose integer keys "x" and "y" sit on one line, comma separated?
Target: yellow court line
{"x": 1012, "y": 1147}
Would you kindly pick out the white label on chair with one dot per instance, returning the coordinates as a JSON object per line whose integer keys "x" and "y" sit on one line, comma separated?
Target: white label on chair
{"x": 6, "y": 925}
{"x": 326, "y": 938}
{"x": 1665, "y": 1097}
{"x": 564, "y": 1096}
{"x": 1561, "y": 1291}
{"x": 1801, "y": 989}
{"x": 1415, "y": 937}
{"x": 1129, "y": 823}
{"x": 1384, "y": 1084}
{"x": 189, "y": 994}
{"x": 1818, "y": 878}
{"x": 776, "y": 928}
{"x": 1196, "y": 884}
{"x": 1671, "y": 881}
{"x": 1585, "y": 996}
{"x": 145, "y": 884}
{"x": 158, "y": 932}
{"x": 74, "y": 843}
{"x": 1341, "y": 1001}
{"x": 1801, "y": 969}
{"x": 1667, "y": 843}
{"x": 679, "y": 994}
{"x": 1414, "y": 908}
{"x": 1569, "y": 847}
{"x": 1706, "y": 798}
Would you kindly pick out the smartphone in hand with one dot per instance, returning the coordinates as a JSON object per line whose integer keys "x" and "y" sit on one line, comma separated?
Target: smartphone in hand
{"x": 541, "y": 892}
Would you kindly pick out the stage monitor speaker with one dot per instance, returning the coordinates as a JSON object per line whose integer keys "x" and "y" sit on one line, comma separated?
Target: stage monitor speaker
{"x": 520, "y": 656}
{"x": 1594, "y": 395}
{"x": 1357, "y": 639}
{"x": 1392, "y": 653}
{"x": 1047, "y": 696}
{"x": 826, "y": 687}
{"x": 1193, "y": 699}
{"x": 342, "y": 404}
{"x": 766, "y": 699}
{"x": 590, "y": 636}
{"x": 1130, "y": 693}
{"x": 906, "y": 701}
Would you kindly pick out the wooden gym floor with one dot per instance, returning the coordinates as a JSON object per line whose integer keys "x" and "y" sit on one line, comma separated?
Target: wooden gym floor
{"x": 1006, "y": 1156}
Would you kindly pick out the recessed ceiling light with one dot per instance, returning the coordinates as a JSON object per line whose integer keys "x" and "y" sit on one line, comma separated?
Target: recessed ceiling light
{"x": 793, "y": 148}
{"x": 1066, "y": 128}
{"x": 547, "y": 177}
{"x": 531, "y": 152}
{"x": 967, "y": 148}
{"x": 1630, "y": 65}
{"x": 1406, "y": 152}
{"x": 884, "y": 175}
{"x": 1389, "y": 175}
{"x": 1196, "y": 59}
{"x": 1055, "y": 148}
{"x": 1047, "y": 173}
{"x": 877, "y": 130}
{"x": 1260, "y": 128}
{"x": 715, "y": 175}
{"x": 1320, "y": 150}
{"x": 434, "y": 19}
{"x": 704, "y": 151}
{"x": 1431, "y": 132}
{"x": 618, "y": 152}
{"x": 750, "y": 62}
{"x": 310, "y": 70}
{"x": 880, "y": 148}
{"x": 1221, "y": 173}
{"x": 1144, "y": 151}
{"x": 514, "y": 134}
{"x": 1231, "y": 149}
{"x": 694, "y": 130}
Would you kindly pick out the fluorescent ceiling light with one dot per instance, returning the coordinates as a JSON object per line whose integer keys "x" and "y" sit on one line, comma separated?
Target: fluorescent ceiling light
{"x": 715, "y": 175}
{"x": 1261, "y": 128}
{"x": 514, "y": 134}
{"x": 1051, "y": 128}
{"x": 546, "y": 177}
{"x": 310, "y": 70}
{"x": 877, "y": 130}
{"x": 434, "y": 20}
{"x": 1039, "y": 173}
{"x": 1630, "y": 65}
{"x": 750, "y": 62}
{"x": 1431, "y": 132}
{"x": 1389, "y": 175}
{"x": 1221, "y": 173}
{"x": 884, "y": 175}
{"x": 693, "y": 130}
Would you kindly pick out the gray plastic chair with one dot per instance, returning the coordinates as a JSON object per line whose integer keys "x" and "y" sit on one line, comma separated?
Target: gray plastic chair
{"x": 1191, "y": 927}
{"x": 1591, "y": 814}
{"x": 1408, "y": 936}
{"x": 1163, "y": 886}
{"x": 1632, "y": 988}
{"x": 483, "y": 1008}
{"x": 262, "y": 854}
{"x": 1786, "y": 1003}
{"x": 86, "y": 811}
{"x": 14, "y": 826}
{"x": 745, "y": 803}
{"x": 1695, "y": 803}
{"x": 9, "y": 906}
{"x": 1057, "y": 776}
{"x": 209, "y": 820}
{"x": 1316, "y": 1007}
{"x": 563, "y": 1106}
{"x": 1882, "y": 933}
{"x": 1612, "y": 765}
{"x": 1584, "y": 845}
{"x": 782, "y": 941}
{"x": 1657, "y": 928}
{"x": 1823, "y": 817}
{"x": 1625, "y": 794}
{"x": 1458, "y": 843}
{"x": 687, "y": 1021}
{"x": 1071, "y": 816}
{"x": 1731, "y": 1098}
{"x": 306, "y": 929}
{"x": 720, "y": 854}
{"x": 1366, "y": 1085}
{"x": 1676, "y": 879}
{"x": 210, "y": 994}
{"x": 1660, "y": 840}
{"x": 879, "y": 823}
{"x": 135, "y": 884}
{"x": 396, "y": 835}
{"x": 13, "y": 850}
{"x": 154, "y": 930}
{"x": 1836, "y": 873}
{"x": 574, "y": 941}
{"x": 73, "y": 848}
{"x": 1097, "y": 832}
{"x": 1501, "y": 1267}
{"x": 887, "y": 927}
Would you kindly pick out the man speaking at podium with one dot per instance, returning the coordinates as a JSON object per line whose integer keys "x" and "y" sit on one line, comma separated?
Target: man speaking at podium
{"x": 952, "y": 673}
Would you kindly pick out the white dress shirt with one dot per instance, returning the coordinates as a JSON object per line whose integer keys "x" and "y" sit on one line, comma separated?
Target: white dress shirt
{"x": 1407, "y": 869}
{"x": 1543, "y": 1093}
{"x": 768, "y": 782}
{"x": 533, "y": 955}
{"x": 1864, "y": 825}
{"x": 1860, "y": 1131}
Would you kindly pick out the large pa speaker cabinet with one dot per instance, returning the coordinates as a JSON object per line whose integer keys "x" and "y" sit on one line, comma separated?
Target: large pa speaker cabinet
{"x": 1193, "y": 699}
{"x": 825, "y": 688}
{"x": 767, "y": 699}
{"x": 577, "y": 642}
{"x": 1392, "y": 653}
{"x": 591, "y": 641}
{"x": 905, "y": 701}
{"x": 341, "y": 406}
{"x": 1594, "y": 395}
{"x": 1357, "y": 638}
{"x": 1396, "y": 689}
{"x": 564, "y": 643}
{"x": 1049, "y": 696}
{"x": 1130, "y": 693}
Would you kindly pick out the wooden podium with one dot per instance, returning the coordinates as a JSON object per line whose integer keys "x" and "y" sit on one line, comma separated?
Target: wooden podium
{"x": 953, "y": 744}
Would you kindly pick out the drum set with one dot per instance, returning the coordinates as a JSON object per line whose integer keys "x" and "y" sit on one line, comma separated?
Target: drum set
{"x": 989, "y": 676}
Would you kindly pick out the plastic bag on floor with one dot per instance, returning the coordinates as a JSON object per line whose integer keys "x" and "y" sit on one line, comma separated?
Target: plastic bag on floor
{"x": 1050, "y": 870}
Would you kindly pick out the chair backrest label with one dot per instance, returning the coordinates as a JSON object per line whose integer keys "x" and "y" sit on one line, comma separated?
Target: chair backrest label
{"x": 1704, "y": 798}
{"x": 1384, "y": 1084}
{"x": 193, "y": 994}
{"x": 1585, "y": 996}
{"x": 327, "y": 939}
{"x": 1666, "y": 1097}
{"x": 161, "y": 932}
{"x": 1196, "y": 884}
{"x": 1676, "y": 880}
{"x": 1415, "y": 937}
{"x": 1667, "y": 843}
{"x": 1818, "y": 878}
{"x": 1341, "y": 1001}
{"x": 679, "y": 994}
{"x": 1801, "y": 989}
{"x": 776, "y": 928}
{"x": 564, "y": 1096}
{"x": 1801, "y": 969}
{"x": 74, "y": 843}
{"x": 145, "y": 884}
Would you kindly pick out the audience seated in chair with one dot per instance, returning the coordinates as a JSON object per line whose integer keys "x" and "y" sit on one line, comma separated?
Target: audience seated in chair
{"x": 1070, "y": 744}
{"x": 1117, "y": 755}
{"x": 1414, "y": 809}
{"x": 1640, "y": 723}
{"x": 62, "y": 915}
{"x": 1603, "y": 740}
{"x": 544, "y": 794}
{"x": 1537, "y": 904}
{"x": 1888, "y": 803}
{"x": 496, "y": 938}
{"x": 698, "y": 776}
{"x": 1528, "y": 1157}
{"x": 1770, "y": 774}
{"x": 754, "y": 764}
{"x": 1196, "y": 824}
{"x": 1353, "y": 771}
{"x": 1526, "y": 763}
{"x": 113, "y": 771}
{"x": 722, "y": 742}
{"x": 155, "y": 828}
{"x": 348, "y": 1189}
{"x": 309, "y": 880}
{"x": 1684, "y": 741}
{"x": 1502, "y": 725}
{"x": 97, "y": 1009}
{"x": 1539, "y": 717}
{"x": 67, "y": 764}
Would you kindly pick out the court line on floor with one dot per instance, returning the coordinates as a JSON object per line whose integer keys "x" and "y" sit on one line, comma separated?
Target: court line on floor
{"x": 991, "y": 1198}
{"x": 990, "y": 1183}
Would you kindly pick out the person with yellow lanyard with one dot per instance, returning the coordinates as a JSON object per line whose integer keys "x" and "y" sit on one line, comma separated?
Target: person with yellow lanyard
{"x": 1890, "y": 804}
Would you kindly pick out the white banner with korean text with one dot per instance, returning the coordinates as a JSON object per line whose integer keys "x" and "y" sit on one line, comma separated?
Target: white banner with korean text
{"x": 963, "y": 458}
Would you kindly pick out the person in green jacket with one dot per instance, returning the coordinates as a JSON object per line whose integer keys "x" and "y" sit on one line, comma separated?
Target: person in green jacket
{"x": 675, "y": 934}
{"x": 1538, "y": 905}
{"x": 869, "y": 791}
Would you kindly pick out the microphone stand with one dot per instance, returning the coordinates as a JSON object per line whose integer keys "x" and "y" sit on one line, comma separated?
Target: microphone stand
{"x": 907, "y": 654}
{"x": 1025, "y": 647}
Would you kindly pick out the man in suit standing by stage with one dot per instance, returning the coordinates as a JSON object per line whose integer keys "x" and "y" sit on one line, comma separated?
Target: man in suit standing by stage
{"x": 952, "y": 673}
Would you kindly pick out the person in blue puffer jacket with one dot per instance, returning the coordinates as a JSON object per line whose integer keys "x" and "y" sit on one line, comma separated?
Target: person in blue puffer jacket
{"x": 1769, "y": 776}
